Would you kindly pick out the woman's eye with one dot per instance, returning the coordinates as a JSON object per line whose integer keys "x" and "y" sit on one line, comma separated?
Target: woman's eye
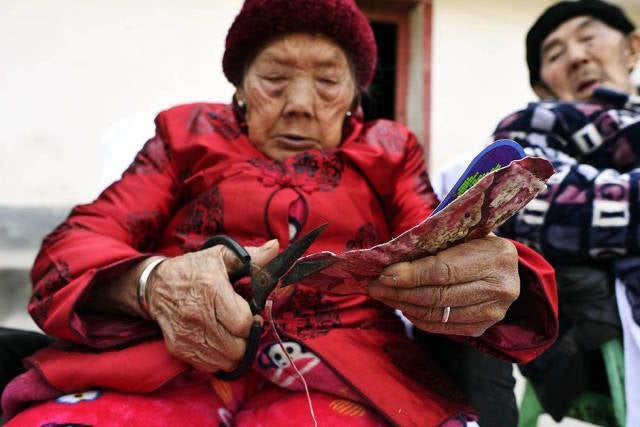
{"x": 275, "y": 79}
{"x": 327, "y": 81}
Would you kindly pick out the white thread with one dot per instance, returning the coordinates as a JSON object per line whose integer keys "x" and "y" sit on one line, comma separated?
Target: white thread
{"x": 268, "y": 307}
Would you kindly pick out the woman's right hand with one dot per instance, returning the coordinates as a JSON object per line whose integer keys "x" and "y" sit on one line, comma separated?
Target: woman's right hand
{"x": 204, "y": 321}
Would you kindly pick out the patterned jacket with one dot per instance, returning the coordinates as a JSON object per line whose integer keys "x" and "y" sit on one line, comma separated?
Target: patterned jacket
{"x": 591, "y": 207}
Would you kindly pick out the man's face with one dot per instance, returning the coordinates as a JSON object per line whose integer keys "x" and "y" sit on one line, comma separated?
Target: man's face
{"x": 584, "y": 53}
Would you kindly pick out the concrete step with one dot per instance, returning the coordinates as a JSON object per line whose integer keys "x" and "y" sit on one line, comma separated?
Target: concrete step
{"x": 15, "y": 290}
{"x": 22, "y": 228}
{"x": 17, "y": 258}
{"x": 21, "y": 232}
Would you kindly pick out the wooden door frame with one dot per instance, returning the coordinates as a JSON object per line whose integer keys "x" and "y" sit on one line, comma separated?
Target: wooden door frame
{"x": 413, "y": 19}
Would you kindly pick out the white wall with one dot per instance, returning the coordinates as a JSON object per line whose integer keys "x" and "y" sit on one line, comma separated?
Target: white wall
{"x": 479, "y": 72}
{"x": 75, "y": 73}
{"x": 72, "y": 70}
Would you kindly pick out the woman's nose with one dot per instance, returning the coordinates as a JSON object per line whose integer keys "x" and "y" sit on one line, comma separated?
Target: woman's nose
{"x": 300, "y": 98}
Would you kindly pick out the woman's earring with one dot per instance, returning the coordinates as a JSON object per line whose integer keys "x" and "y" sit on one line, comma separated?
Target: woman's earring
{"x": 348, "y": 113}
{"x": 240, "y": 112}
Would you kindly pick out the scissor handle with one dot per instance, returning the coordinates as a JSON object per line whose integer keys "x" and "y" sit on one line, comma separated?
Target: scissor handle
{"x": 236, "y": 248}
{"x": 249, "y": 355}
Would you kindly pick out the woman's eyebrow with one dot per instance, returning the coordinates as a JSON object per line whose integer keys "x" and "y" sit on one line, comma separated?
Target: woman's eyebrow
{"x": 287, "y": 60}
{"x": 326, "y": 64}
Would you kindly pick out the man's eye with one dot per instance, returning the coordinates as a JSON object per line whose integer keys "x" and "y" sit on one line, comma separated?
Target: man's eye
{"x": 587, "y": 38}
{"x": 551, "y": 57}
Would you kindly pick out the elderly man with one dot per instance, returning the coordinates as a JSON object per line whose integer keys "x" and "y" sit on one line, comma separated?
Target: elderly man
{"x": 580, "y": 56}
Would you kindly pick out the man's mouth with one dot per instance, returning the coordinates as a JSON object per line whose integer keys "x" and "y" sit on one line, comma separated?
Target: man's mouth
{"x": 586, "y": 87}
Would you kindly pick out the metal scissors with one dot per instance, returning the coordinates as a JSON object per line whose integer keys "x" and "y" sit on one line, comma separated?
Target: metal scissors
{"x": 263, "y": 281}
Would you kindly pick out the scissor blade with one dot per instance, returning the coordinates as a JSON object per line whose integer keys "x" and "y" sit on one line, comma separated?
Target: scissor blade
{"x": 280, "y": 264}
{"x": 305, "y": 269}
{"x": 266, "y": 279}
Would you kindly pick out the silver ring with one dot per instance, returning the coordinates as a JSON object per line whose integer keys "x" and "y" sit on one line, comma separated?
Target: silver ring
{"x": 445, "y": 314}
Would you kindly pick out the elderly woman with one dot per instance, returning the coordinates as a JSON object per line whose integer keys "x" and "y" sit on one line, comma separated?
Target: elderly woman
{"x": 291, "y": 152}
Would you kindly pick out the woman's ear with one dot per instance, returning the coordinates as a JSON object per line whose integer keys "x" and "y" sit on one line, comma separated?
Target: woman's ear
{"x": 239, "y": 97}
{"x": 355, "y": 103}
{"x": 240, "y": 109}
{"x": 633, "y": 44}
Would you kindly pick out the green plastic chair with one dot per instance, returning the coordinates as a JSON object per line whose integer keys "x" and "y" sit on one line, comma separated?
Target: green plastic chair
{"x": 594, "y": 408}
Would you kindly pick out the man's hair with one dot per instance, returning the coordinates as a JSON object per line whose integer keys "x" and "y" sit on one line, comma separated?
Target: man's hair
{"x": 561, "y": 12}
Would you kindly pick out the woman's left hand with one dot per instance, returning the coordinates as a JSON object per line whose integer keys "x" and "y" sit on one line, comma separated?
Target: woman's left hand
{"x": 478, "y": 280}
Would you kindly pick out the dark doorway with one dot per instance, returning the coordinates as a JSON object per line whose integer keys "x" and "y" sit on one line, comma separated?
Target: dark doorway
{"x": 379, "y": 101}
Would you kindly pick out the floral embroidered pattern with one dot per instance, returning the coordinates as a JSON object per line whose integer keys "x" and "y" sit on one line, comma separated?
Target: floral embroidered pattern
{"x": 308, "y": 171}
{"x": 153, "y": 158}
{"x": 143, "y": 228}
{"x": 310, "y": 314}
{"x": 55, "y": 278}
{"x": 386, "y": 135}
{"x": 202, "y": 218}
{"x": 225, "y": 123}
{"x": 423, "y": 187}
{"x": 205, "y": 120}
{"x": 365, "y": 238}
{"x": 60, "y": 232}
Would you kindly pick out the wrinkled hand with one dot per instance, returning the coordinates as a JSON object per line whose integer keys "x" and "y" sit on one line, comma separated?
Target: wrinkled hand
{"x": 477, "y": 279}
{"x": 204, "y": 321}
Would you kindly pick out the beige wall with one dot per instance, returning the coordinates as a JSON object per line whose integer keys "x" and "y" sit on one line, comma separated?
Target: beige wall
{"x": 75, "y": 73}
{"x": 81, "y": 79}
{"x": 479, "y": 69}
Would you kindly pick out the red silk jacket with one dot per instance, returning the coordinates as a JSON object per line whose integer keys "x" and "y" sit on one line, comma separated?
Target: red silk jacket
{"x": 200, "y": 176}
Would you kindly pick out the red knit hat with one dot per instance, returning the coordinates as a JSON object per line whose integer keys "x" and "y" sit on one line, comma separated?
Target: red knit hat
{"x": 261, "y": 20}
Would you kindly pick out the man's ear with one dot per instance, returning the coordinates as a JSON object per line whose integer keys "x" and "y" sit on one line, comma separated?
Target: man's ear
{"x": 543, "y": 91}
{"x": 633, "y": 43}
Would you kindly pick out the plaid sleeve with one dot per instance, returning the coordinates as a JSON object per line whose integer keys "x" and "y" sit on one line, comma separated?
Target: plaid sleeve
{"x": 589, "y": 208}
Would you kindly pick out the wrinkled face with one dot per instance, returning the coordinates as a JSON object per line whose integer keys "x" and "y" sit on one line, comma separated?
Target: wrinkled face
{"x": 297, "y": 92}
{"x": 584, "y": 53}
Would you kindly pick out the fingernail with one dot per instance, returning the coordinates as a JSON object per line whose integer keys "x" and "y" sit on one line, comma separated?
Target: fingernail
{"x": 388, "y": 279}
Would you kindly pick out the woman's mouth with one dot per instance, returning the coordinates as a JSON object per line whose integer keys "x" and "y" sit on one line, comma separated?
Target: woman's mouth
{"x": 296, "y": 141}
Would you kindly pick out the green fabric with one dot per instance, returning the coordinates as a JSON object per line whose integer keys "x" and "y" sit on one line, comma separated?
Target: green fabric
{"x": 594, "y": 408}
{"x": 613, "y": 355}
{"x": 530, "y": 408}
